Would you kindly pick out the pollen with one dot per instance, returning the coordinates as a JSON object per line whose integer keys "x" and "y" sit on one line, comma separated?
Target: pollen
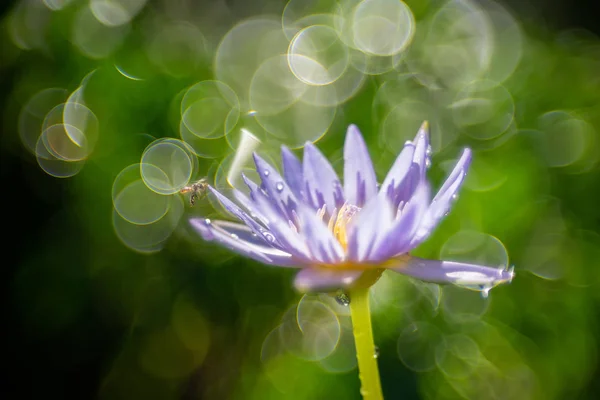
{"x": 339, "y": 222}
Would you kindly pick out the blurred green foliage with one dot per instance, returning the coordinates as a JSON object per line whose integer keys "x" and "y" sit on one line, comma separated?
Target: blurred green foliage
{"x": 94, "y": 318}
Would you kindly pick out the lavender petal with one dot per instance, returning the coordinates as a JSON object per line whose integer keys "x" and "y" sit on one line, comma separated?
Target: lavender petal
{"x": 322, "y": 186}
{"x": 325, "y": 279}
{"x": 470, "y": 276}
{"x": 399, "y": 237}
{"x": 441, "y": 203}
{"x": 256, "y": 228}
{"x": 292, "y": 171}
{"x": 400, "y": 177}
{"x": 240, "y": 239}
{"x": 279, "y": 192}
{"x": 323, "y": 246}
{"x": 360, "y": 182}
{"x": 371, "y": 225}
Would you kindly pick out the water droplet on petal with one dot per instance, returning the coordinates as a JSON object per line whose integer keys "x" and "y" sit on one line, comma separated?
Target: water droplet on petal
{"x": 429, "y": 150}
{"x": 266, "y": 172}
{"x": 485, "y": 292}
{"x": 376, "y": 353}
{"x": 342, "y": 298}
{"x": 279, "y": 186}
{"x": 268, "y": 236}
{"x": 207, "y": 221}
{"x": 408, "y": 142}
{"x": 427, "y": 162}
{"x": 454, "y": 197}
{"x": 233, "y": 235}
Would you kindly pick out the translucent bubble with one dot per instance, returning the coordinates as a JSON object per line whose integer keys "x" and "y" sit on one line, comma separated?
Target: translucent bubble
{"x": 34, "y": 112}
{"x": 299, "y": 123}
{"x": 116, "y": 12}
{"x": 403, "y": 121}
{"x": 461, "y": 305}
{"x": 53, "y": 165}
{"x": 73, "y": 140}
{"x": 167, "y": 166}
{"x": 382, "y": 27}
{"x": 458, "y": 356}
{"x": 56, "y": 5}
{"x": 374, "y": 65}
{"x": 483, "y": 175}
{"x": 134, "y": 201}
{"x": 507, "y": 38}
{"x": 204, "y": 148}
{"x": 317, "y": 56}
{"x": 149, "y": 238}
{"x": 455, "y": 46}
{"x": 274, "y": 88}
{"x": 314, "y": 332}
{"x": 483, "y": 110}
{"x": 177, "y": 48}
{"x": 27, "y": 24}
{"x": 67, "y": 146}
{"x": 343, "y": 359}
{"x": 210, "y": 109}
{"x": 336, "y": 93}
{"x": 299, "y": 14}
{"x": 94, "y": 39}
{"x": 272, "y": 346}
{"x": 81, "y": 125}
{"x": 564, "y": 138}
{"x": 475, "y": 248}
{"x": 416, "y": 346}
{"x": 243, "y": 49}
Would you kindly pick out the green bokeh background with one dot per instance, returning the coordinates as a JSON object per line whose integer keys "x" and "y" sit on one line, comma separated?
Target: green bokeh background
{"x": 88, "y": 317}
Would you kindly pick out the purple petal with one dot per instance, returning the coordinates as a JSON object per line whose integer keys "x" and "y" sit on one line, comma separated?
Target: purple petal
{"x": 322, "y": 186}
{"x": 470, "y": 276}
{"x": 360, "y": 182}
{"x": 256, "y": 228}
{"x": 408, "y": 172}
{"x": 400, "y": 177}
{"x": 292, "y": 171}
{"x": 325, "y": 279}
{"x": 421, "y": 156}
{"x": 399, "y": 238}
{"x": 240, "y": 239}
{"x": 279, "y": 192}
{"x": 441, "y": 203}
{"x": 284, "y": 230}
{"x": 371, "y": 225}
{"x": 321, "y": 243}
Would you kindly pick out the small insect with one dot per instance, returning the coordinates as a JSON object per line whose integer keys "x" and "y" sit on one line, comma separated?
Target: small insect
{"x": 197, "y": 190}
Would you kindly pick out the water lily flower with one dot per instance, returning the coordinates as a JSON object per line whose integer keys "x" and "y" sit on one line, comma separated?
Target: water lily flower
{"x": 345, "y": 236}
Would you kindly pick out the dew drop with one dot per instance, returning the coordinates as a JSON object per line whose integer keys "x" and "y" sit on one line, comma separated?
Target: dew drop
{"x": 485, "y": 292}
{"x": 427, "y": 162}
{"x": 376, "y": 353}
{"x": 233, "y": 235}
{"x": 342, "y": 298}
{"x": 408, "y": 142}
{"x": 279, "y": 186}
{"x": 429, "y": 151}
{"x": 268, "y": 236}
{"x": 207, "y": 221}
{"x": 266, "y": 172}
{"x": 454, "y": 197}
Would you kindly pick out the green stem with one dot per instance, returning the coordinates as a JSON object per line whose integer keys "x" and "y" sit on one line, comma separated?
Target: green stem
{"x": 368, "y": 372}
